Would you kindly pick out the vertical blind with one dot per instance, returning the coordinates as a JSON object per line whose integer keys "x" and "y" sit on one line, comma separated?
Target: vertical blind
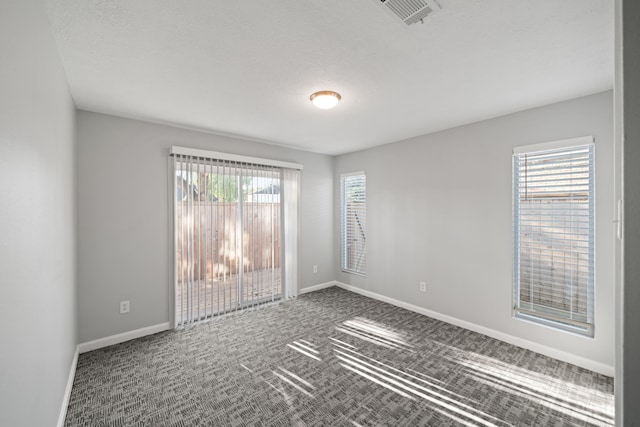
{"x": 228, "y": 236}
{"x": 553, "y": 195}
{"x": 353, "y": 208}
{"x": 291, "y": 195}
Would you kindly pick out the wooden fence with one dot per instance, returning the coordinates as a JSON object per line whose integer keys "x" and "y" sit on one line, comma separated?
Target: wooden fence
{"x": 555, "y": 252}
{"x": 210, "y": 236}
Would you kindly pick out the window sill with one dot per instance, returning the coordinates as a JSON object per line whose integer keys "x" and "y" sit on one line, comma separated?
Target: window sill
{"x": 555, "y": 325}
{"x": 355, "y": 273}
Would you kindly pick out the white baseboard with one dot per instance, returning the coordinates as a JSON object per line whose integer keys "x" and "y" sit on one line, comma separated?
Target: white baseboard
{"x": 125, "y": 336}
{"x": 317, "y": 287}
{"x": 67, "y": 390}
{"x": 583, "y": 362}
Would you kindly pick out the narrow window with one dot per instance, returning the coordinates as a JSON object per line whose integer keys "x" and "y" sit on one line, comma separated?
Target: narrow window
{"x": 553, "y": 232}
{"x": 353, "y": 208}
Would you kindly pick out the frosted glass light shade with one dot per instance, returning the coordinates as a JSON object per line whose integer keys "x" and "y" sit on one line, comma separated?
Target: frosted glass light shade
{"x": 325, "y": 99}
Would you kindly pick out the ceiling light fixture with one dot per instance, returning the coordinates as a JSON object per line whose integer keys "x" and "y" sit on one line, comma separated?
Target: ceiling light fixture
{"x": 325, "y": 99}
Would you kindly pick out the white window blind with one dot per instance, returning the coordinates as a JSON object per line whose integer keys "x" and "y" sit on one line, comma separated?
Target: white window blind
{"x": 553, "y": 209}
{"x": 353, "y": 208}
{"x": 229, "y": 234}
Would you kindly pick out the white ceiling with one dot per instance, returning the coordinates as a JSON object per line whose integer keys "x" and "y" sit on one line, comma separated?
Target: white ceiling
{"x": 247, "y": 68}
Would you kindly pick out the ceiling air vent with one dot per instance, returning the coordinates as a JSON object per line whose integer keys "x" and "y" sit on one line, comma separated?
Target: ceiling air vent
{"x": 410, "y": 11}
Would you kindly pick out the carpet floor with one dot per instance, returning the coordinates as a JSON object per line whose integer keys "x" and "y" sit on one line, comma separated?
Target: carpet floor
{"x": 331, "y": 358}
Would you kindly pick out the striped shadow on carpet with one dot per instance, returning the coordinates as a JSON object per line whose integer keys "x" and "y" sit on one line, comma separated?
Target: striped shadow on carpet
{"x": 331, "y": 358}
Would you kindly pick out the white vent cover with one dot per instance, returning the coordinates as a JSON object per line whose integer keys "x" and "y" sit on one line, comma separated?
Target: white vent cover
{"x": 410, "y": 11}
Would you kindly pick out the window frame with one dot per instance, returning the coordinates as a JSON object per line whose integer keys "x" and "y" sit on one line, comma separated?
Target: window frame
{"x": 539, "y": 313}
{"x": 345, "y": 265}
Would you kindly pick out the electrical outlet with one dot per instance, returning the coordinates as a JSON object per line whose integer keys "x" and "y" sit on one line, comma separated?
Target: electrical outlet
{"x": 423, "y": 286}
{"x": 124, "y": 307}
{"x": 315, "y": 269}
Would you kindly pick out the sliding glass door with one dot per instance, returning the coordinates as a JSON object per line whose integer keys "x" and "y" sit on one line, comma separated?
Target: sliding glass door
{"x": 227, "y": 236}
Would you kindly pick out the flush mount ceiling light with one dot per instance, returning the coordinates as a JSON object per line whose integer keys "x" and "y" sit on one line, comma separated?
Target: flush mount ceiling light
{"x": 325, "y": 99}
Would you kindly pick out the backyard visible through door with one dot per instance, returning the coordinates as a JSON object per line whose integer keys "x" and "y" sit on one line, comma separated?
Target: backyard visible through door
{"x": 227, "y": 225}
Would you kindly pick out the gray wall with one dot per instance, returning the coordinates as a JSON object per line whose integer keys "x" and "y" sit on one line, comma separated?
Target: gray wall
{"x": 631, "y": 239}
{"x": 439, "y": 210}
{"x": 37, "y": 219}
{"x": 124, "y": 236}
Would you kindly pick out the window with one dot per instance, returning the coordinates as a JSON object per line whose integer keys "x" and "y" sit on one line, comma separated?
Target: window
{"x": 553, "y": 232}
{"x": 235, "y": 237}
{"x": 353, "y": 209}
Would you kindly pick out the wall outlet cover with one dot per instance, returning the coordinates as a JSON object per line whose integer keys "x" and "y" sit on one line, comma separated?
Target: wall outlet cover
{"x": 124, "y": 307}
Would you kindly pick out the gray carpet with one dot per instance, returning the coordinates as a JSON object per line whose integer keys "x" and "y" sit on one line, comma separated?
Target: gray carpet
{"x": 331, "y": 358}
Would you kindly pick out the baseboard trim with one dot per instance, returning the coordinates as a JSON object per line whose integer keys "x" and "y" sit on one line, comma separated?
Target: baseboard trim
{"x": 583, "y": 362}
{"x": 317, "y": 287}
{"x": 67, "y": 391}
{"x": 120, "y": 338}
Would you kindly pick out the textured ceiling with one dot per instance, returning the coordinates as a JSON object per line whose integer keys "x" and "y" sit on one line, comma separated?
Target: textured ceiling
{"x": 247, "y": 68}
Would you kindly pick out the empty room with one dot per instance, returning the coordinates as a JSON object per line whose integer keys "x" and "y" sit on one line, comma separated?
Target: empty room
{"x": 338, "y": 213}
